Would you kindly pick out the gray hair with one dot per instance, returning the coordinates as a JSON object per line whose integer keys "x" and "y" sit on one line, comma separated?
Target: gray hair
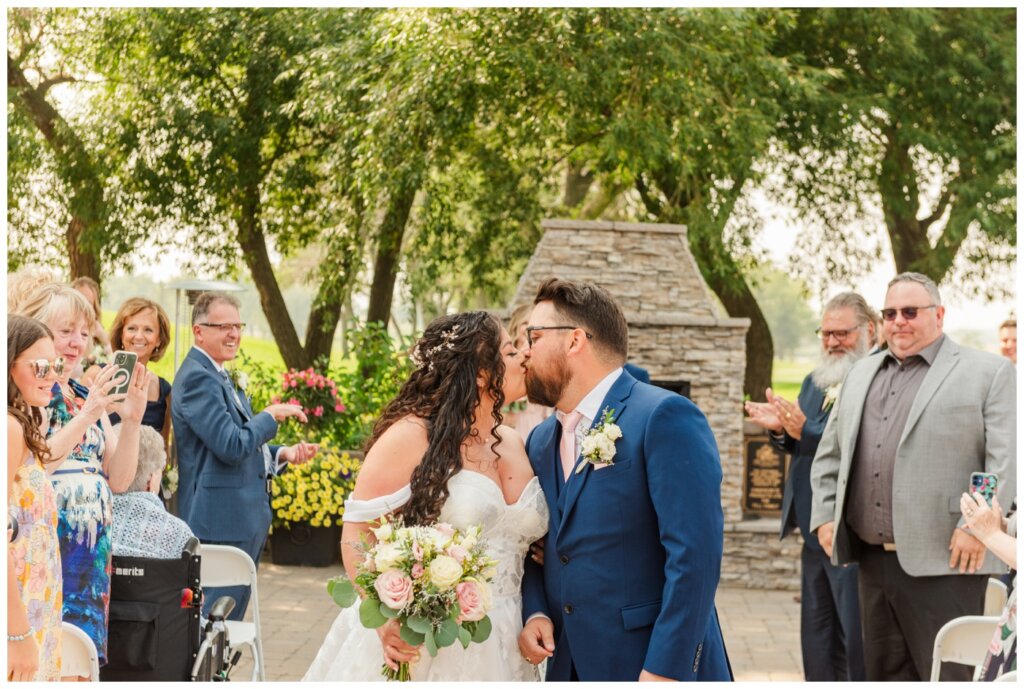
{"x": 851, "y": 300}
{"x": 152, "y": 457}
{"x": 923, "y": 280}
{"x": 208, "y": 299}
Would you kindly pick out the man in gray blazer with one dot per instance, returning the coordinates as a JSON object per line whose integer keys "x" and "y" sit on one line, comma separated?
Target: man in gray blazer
{"x": 910, "y": 426}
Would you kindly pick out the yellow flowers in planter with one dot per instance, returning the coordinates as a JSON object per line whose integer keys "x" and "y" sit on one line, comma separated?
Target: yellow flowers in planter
{"x": 314, "y": 493}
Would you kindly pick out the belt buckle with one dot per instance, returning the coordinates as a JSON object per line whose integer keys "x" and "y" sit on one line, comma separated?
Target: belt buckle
{"x": 889, "y": 547}
{"x": 90, "y": 470}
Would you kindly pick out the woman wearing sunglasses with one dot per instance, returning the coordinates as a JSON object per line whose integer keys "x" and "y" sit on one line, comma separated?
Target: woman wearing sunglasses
{"x": 91, "y": 459}
{"x": 33, "y": 571}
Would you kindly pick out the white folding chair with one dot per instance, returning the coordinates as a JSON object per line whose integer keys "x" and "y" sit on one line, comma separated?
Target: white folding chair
{"x": 962, "y": 640}
{"x": 225, "y": 565}
{"x": 78, "y": 657}
{"x": 1010, "y": 676}
{"x": 995, "y": 598}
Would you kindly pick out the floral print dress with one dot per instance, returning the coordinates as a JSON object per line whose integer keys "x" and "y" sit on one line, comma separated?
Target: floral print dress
{"x": 36, "y": 556}
{"x": 85, "y": 513}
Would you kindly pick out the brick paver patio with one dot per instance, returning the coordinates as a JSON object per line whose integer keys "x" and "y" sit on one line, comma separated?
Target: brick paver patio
{"x": 762, "y": 628}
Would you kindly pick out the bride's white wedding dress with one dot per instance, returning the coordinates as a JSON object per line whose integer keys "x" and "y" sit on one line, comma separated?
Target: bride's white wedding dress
{"x": 353, "y": 653}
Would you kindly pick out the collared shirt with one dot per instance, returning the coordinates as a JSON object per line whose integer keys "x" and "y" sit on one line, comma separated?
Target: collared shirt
{"x": 886, "y": 409}
{"x": 141, "y": 527}
{"x": 590, "y": 406}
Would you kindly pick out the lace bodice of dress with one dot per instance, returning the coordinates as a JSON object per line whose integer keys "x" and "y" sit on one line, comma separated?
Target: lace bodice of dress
{"x": 508, "y": 529}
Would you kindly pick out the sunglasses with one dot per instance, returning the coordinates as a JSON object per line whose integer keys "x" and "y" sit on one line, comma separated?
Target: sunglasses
{"x": 908, "y": 312}
{"x": 41, "y": 367}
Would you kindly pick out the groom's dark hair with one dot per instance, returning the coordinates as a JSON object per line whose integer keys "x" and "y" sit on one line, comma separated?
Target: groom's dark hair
{"x": 592, "y": 308}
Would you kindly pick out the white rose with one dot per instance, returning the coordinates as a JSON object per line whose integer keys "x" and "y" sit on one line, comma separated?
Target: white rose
{"x": 470, "y": 537}
{"x": 612, "y": 432}
{"x": 444, "y": 572}
{"x": 383, "y": 532}
{"x": 589, "y": 445}
{"x": 387, "y": 556}
{"x": 606, "y": 447}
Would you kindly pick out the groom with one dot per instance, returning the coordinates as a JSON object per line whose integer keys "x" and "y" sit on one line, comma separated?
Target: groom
{"x": 634, "y": 547}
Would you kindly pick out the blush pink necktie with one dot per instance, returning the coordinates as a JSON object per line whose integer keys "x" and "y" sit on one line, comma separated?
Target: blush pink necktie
{"x": 567, "y": 448}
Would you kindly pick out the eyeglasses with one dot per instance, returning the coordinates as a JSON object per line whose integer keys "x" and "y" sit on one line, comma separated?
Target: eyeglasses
{"x": 41, "y": 367}
{"x": 838, "y": 334}
{"x": 224, "y": 327}
{"x": 908, "y": 312}
{"x": 530, "y": 330}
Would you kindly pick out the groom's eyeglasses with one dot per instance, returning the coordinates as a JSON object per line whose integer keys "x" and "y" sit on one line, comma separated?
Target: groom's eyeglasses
{"x": 530, "y": 330}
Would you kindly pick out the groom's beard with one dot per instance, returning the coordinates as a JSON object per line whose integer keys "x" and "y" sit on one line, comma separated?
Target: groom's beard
{"x": 546, "y": 390}
{"x": 833, "y": 369}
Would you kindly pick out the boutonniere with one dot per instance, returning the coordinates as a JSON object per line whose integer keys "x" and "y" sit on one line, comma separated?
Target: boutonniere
{"x": 831, "y": 395}
{"x": 598, "y": 446}
{"x": 239, "y": 377}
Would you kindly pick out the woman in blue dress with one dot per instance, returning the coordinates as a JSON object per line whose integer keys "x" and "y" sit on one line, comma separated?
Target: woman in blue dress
{"x": 91, "y": 459}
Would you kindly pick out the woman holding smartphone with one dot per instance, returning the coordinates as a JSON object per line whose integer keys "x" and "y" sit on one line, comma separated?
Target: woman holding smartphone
{"x": 142, "y": 327}
{"x": 91, "y": 459}
{"x": 33, "y": 574}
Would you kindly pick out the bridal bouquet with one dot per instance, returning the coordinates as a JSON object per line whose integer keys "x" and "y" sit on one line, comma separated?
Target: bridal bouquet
{"x": 433, "y": 579}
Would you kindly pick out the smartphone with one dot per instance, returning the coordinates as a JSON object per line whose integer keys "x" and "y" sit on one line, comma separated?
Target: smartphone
{"x": 985, "y": 484}
{"x": 124, "y": 362}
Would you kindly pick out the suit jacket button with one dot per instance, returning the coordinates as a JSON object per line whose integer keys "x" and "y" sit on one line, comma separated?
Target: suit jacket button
{"x": 567, "y": 608}
{"x": 564, "y": 559}
{"x": 262, "y": 475}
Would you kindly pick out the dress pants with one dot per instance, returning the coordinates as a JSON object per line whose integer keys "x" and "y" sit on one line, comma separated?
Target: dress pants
{"x": 254, "y": 547}
{"x": 830, "y": 634}
{"x": 902, "y": 614}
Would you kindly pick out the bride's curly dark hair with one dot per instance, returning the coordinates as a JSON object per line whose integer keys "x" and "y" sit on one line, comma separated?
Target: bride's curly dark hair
{"x": 443, "y": 391}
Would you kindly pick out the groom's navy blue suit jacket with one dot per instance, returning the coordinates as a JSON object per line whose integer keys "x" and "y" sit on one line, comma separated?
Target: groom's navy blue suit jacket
{"x": 633, "y": 551}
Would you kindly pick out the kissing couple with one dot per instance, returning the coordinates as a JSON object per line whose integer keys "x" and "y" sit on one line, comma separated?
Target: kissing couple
{"x": 622, "y": 483}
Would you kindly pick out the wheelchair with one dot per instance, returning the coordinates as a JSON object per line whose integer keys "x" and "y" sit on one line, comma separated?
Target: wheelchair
{"x": 156, "y": 633}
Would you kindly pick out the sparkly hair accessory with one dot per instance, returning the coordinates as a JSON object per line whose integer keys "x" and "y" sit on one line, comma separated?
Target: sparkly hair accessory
{"x": 421, "y": 358}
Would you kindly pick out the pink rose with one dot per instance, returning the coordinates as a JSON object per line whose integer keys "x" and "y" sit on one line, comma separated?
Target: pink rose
{"x": 319, "y": 411}
{"x": 417, "y": 571}
{"x": 471, "y": 601}
{"x": 339, "y": 408}
{"x": 394, "y": 589}
{"x": 310, "y": 383}
{"x": 458, "y": 552}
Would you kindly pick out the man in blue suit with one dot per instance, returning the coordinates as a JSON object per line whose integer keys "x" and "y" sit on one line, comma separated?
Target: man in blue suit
{"x": 224, "y": 463}
{"x": 634, "y": 546}
{"x": 831, "y": 641}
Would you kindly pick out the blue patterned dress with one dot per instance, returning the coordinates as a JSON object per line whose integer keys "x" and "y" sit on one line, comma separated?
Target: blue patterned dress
{"x": 85, "y": 513}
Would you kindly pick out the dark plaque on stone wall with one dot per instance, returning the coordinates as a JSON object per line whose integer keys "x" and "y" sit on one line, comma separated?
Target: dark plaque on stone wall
{"x": 764, "y": 476}
{"x": 681, "y": 387}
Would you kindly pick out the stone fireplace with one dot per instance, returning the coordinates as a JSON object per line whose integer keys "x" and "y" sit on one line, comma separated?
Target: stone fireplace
{"x": 680, "y": 334}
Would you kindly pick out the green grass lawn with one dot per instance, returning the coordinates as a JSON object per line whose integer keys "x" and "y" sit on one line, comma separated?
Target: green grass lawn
{"x": 787, "y": 377}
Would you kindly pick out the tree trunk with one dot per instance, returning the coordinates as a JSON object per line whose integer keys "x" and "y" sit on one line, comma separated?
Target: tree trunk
{"x": 577, "y": 184}
{"x": 323, "y": 322}
{"x": 83, "y": 263}
{"x": 86, "y": 206}
{"x": 389, "y": 249}
{"x": 254, "y": 252}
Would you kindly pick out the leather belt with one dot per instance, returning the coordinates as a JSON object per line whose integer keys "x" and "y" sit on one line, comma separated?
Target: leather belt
{"x": 889, "y": 547}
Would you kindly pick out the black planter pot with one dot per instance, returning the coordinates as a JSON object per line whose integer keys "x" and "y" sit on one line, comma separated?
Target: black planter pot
{"x": 302, "y": 544}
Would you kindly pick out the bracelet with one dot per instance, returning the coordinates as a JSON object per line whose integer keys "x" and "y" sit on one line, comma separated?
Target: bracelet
{"x": 21, "y": 637}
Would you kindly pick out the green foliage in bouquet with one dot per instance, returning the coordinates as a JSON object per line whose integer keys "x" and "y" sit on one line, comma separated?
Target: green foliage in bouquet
{"x": 314, "y": 493}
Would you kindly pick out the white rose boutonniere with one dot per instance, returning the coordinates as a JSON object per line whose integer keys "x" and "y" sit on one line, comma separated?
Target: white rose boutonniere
{"x": 598, "y": 446}
{"x": 831, "y": 395}
{"x": 239, "y": 377}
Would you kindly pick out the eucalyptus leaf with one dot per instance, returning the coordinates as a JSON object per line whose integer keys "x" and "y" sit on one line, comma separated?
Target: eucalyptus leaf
{"x": 431, "y": 644}
{"x": 388, "y": 612}
{"x": 482, "y": 631}
{"x": 465, "y": 638}
{"x": 447, "y": 634}
{"x": 410, "y": 637}
{"x": 419, "y": 624}
{"x": 369, "y": 614}
{"x": 342, "y": 591}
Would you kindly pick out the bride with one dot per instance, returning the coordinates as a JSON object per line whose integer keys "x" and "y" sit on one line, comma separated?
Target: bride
{"x": 440, "y": 453}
